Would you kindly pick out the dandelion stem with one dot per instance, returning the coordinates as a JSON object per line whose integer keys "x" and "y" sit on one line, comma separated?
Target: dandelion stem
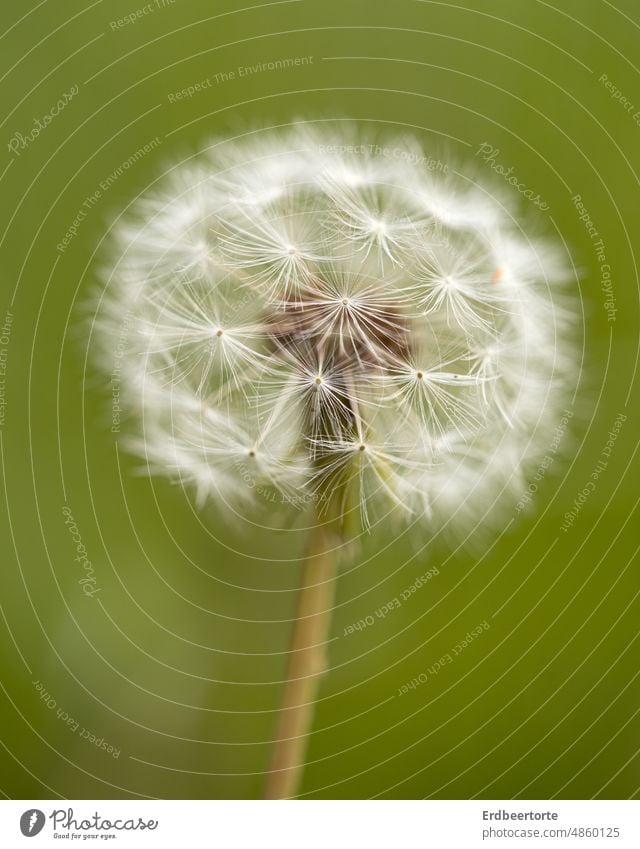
{"x": 307, "y": 662}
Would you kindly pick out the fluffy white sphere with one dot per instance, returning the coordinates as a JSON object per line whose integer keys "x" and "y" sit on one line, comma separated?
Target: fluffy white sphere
{"x": 334, "y": 320}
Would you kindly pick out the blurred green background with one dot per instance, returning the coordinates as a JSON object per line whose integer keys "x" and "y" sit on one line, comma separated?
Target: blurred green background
{"x": 176, "y": 662}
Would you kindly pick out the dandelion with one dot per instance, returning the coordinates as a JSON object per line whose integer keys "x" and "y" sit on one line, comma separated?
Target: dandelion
{"x": 346, "y": 326}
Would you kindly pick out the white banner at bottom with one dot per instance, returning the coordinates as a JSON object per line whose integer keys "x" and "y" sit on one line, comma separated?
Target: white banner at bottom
{"x": 321, "y": 824}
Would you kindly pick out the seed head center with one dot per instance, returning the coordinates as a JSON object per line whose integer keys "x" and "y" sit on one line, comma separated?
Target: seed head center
{"x": 351, "y": 332}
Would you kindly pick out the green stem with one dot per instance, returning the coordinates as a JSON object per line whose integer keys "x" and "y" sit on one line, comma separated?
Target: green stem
{"x": 306, "y": 664}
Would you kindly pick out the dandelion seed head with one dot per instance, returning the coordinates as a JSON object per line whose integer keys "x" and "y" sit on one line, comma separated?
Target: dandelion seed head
{"x": 312, "y": 320}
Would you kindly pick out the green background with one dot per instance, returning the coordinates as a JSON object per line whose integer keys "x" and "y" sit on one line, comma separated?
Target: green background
{"x": 177, "y": 662}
